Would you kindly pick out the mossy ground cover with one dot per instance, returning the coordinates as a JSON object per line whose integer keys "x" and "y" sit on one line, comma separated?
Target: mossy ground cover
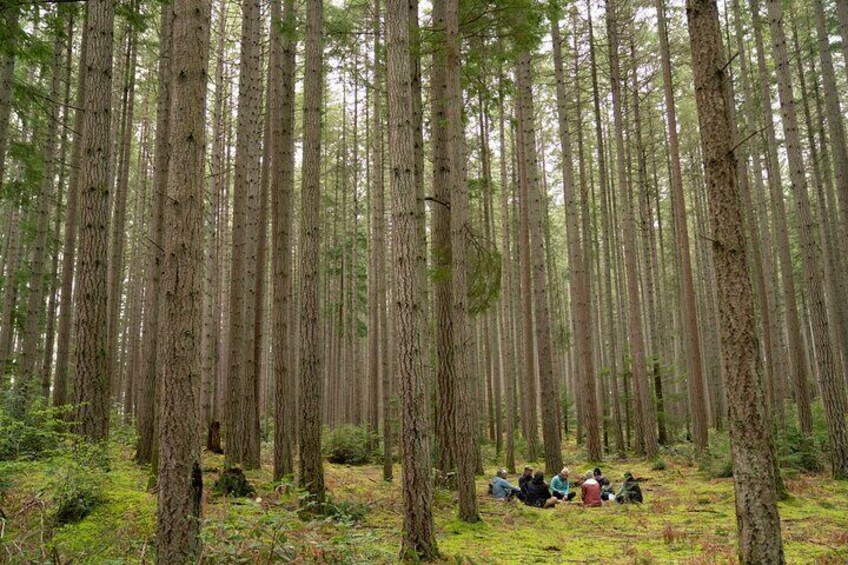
{"x": 687, "y": 518}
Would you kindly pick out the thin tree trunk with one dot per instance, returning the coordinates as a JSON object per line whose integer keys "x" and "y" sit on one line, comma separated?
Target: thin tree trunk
{"x": 148, "y": 388}
{"x": 577, "y": 258}
{"x": 607, "y": 227}
{"x": 645, "y": 407}
{"x": 13, "y": 254}
{"x": 830, "y": 381}
{"x": 115, "y": 271}
{"x": 47, "y": 364}
{"x": 69, "y": 244}
{"x": 26, "y": 382}
{"x": 283, "y": 52}
{"x": 793, "y": 325}
{"x": 697, "y": 404}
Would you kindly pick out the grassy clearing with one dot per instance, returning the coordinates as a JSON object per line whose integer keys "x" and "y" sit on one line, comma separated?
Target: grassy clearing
{"x": 686, "y": 519}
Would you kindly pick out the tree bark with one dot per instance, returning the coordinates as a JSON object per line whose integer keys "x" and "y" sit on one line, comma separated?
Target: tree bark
{"x": 578, "y": 258}
{"x": 465, "y": 420}
{"x": 283, "y": 52}
{"x": 241, "y": 387}
{"x": 645, "y": 406}
{"x": 753, "y": 455}
{"x": 91, "y": 383}
{"x": 793, "y": 324}
{"x": 697, "y": 403}
{"x": 180, "y": 477}
{"x": 419, "y": 541}
{"x": 311, "y": 376}
{"x": 148, "y": 388}
{"x": 830, "y": 381}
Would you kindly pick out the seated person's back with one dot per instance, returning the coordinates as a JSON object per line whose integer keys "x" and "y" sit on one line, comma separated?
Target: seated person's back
{"x": 606, "y": 487}
{"x": 524, "y": 480}
{"x": 590, "y": 491}
{"x": 538, "y": 494}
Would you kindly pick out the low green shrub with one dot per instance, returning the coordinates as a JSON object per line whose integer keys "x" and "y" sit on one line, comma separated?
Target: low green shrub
{"x": 344, "y": 511}
{"x": 348, "y": 445}
{"x": 232, "y": 482}
{"x": 36, "y": 433}
{"x": 716, "y": 462}
{"x": 77, "y": 486}
{"x": 799, "y": 451}
{"x": 658, "y": 464}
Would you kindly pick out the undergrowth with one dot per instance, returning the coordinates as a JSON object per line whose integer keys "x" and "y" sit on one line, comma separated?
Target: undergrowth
{"x": 688, "y": 516}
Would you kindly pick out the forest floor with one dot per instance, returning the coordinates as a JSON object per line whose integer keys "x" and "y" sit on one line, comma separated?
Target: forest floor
{"x": 686, "y": 518}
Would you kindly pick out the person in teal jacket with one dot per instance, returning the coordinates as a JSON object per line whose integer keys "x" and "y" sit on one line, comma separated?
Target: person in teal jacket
{"x": 560, "y": 486}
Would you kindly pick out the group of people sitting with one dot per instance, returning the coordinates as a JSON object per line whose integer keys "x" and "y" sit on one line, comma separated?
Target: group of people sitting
{"x": 534, "y": 491}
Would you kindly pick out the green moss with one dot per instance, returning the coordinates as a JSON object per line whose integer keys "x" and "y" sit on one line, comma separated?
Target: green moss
{"x": 686, "y": 518}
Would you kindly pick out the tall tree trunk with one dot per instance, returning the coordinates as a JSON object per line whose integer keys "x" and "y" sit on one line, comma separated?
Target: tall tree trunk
{"x": 578, "y": 259}
{"x": 442, "y": 258}
{"x": 69, "y": 242}
{"x": 830, "y": 381}
{"x": 607, "y": 227}
{"x": 419, "y": 541}
{"x": 148, "y": 388}
{"x": 91, "y": 383}
{"x": 214, "y": 349}
{"x": 465, "y": 417}
{"x": 760, "y": 233}
{"x": 26, "y": 382}
{"x": 47, "y": 363}
{"x": 180, "y": 477}
{"x": 753, "y": 455}
{"x": 839, "y": 152}
{"x": 793, "y": 324}
{"x": 644, "y": 404}
{"x": 311, "y": 376}
{"x": 535, "y": 196}
{"x": 117, "y": 239}
{"x": 283, "y": 52}
{"x": 697, "y": 403}
{"x": 507, "y": 336}
{"x": 241, "y": 388}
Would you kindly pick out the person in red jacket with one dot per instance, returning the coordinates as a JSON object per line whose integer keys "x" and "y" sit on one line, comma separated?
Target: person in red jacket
{"x": 591, "y": 490}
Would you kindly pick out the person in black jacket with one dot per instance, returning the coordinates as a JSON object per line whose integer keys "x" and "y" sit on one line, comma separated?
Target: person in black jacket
{"x": 523, "y": 481}
{"x": 606, "y": 488}
{"x": 538, "y": 493}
